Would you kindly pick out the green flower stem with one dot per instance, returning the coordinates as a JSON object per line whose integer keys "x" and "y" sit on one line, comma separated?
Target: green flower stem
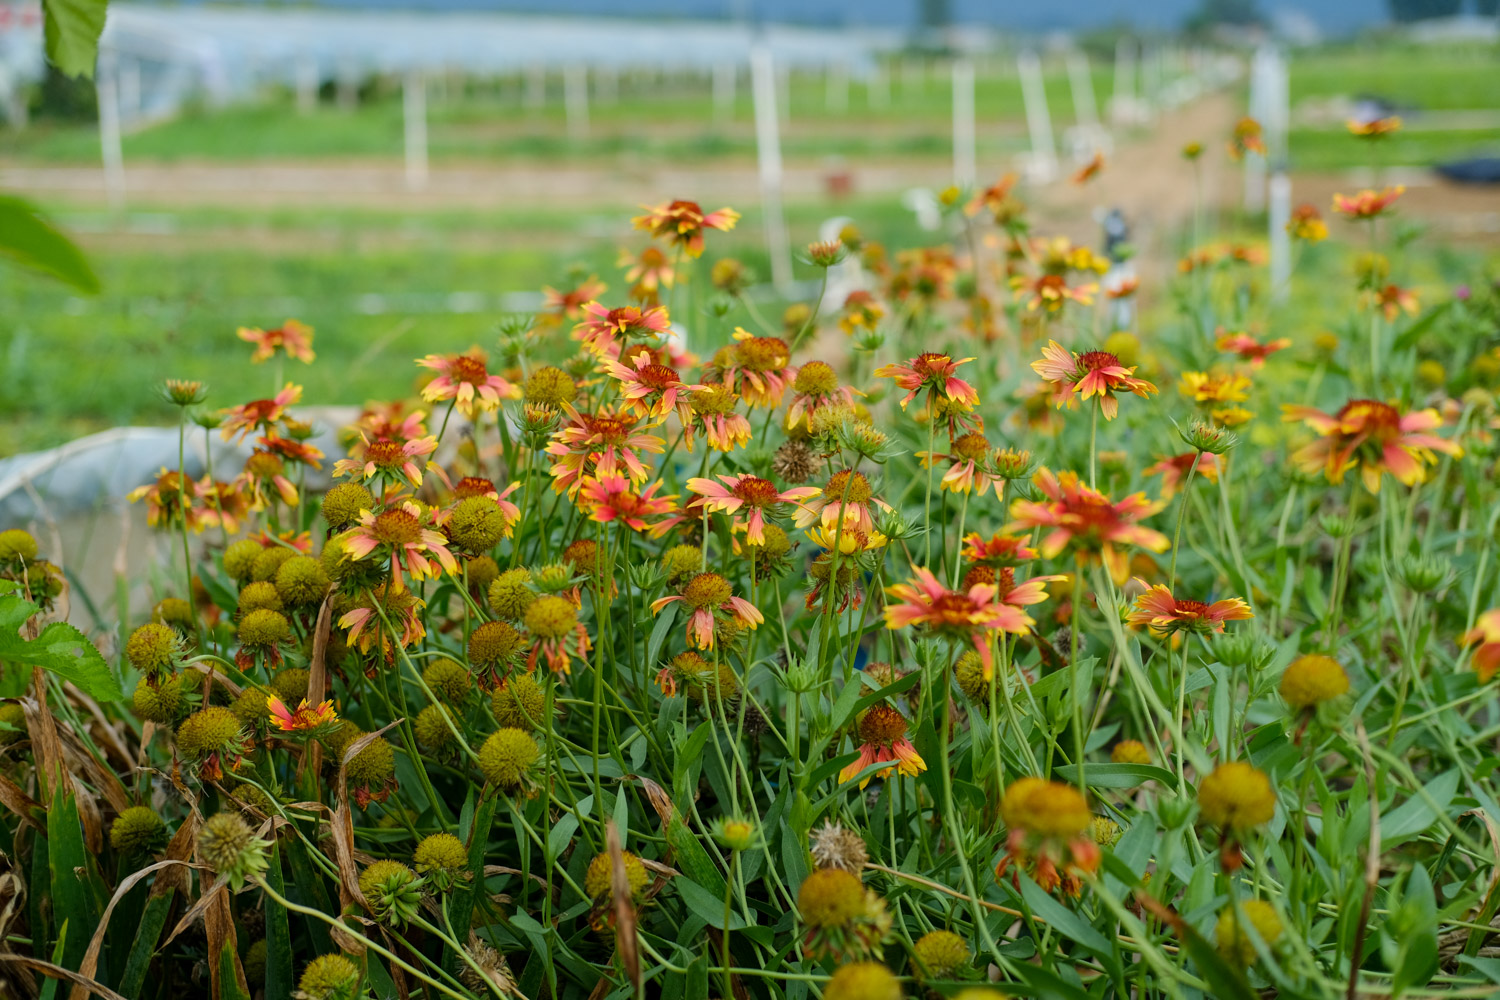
{"x": 1074, "y": 680}
{"x": 1181, "y": 514}
{"x": 390, "y": 956}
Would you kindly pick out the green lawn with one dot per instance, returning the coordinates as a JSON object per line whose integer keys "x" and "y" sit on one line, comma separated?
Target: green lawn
{"x": 170, "y": 307}
{"x": 667, "y": 126}
{"x": 1430, "y": 77}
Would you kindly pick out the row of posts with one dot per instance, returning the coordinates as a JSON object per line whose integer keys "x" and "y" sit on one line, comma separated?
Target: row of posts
{"x": 1141, "y": 79}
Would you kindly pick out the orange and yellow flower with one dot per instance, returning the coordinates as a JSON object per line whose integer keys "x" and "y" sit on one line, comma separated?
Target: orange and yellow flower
{"x": 260, "y": 414}
{"x": 1486, "y": 632}
{"x": 396, "y": 461}
{"x": 606, "y": 332}
{"x": 1373, "y": 437}
{"x": 1088, "y": 522}
{"x": 846, "y": 498}
{"x": 755, "y": 496}
{"x": 1392, "y": 300}
{"x": 1248, "y": 137}
{"x": 1051, "y": 292}
{"x": 306, "y": 717}
{"x": 1174, "y": 470}
{"x": 569, "y": 304}
{"x": 1374, "y": 128}
{"x": 293, "y": 337}
{"x": 713, "y": 414}
{"x": 464, "y": 378}
{"x": 1164, "y": 613}
{"x": 404, "y": 532}
{"x": 610, "y": 499}
{"x": 651, "y": 390}
{"x": 1306, "y": 224}
{"x": 599, "y": 445}
{"x": 1095, "y": 373}
{"x": 882, "y": 734}
{"x": 681, "y": 223}
{"x": 1248, "y": 348}
{"x": 706, "y": 596}
{"x": 976, "y": 614}
{"x": 1367, "y": 204}
{"x": 1089, "y": 170}
{"x": 935, "y": 373}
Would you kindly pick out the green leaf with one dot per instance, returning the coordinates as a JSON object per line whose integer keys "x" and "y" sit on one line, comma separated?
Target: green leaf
{"x": 72, "y": 30}
{"x": 280, "y": 969}
{"x": 33, "y": 242}
{"x": 60, "y": 648}
{"x": 1415, "y": 815}
{"x": 693, "y": 859}
{"x": 68, "y": 863}
{"x": 1413, "y": 333}
{"x": 1223, "y": 980}
{"x": 1116, "y": 775}
{"x": 708, "y": 908}
{"x": 659, "y": 632}
{"x": 147, "y": 933}
{"x": 1067, "y": 923}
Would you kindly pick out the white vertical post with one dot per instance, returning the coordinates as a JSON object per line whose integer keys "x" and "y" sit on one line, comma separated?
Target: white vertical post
{"x": 1262, "y": 85}
{"x": 414, "y": 109}
{"x": 307, "y": 84}
{"x": 1085, "y": 111}
{"x": 838, "y": 88}
{"x": 724, "y": 82}
{"x": 536, "y": 85}
{"x": 576, "y": 100}
{"x": 107, "y": 90}
{"x": 1038, "y": 118}
{"x": 965, "y": 161}
{"x": 1121, "y": 104}
{"x": 768, "y": 148}
{"x": 130, "y": 91}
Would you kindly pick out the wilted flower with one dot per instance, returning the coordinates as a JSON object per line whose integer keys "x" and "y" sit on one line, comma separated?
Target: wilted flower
{"x": 1049, "y": 836}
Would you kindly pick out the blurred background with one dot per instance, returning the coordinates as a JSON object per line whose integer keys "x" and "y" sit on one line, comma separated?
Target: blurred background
{"x": 404, "y": 174}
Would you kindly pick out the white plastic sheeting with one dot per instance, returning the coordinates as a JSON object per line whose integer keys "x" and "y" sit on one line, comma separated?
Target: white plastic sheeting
{"x": 226, "y": 52}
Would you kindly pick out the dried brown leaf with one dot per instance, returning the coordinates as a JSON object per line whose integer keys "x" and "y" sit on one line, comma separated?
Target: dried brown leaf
{"x": 625, "y": 923}
{"x": 58, "y": 972}
{"x": 90, "y": 962}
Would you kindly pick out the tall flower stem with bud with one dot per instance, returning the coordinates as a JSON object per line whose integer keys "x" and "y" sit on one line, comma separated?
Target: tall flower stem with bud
{"x": 1187, "y": 485}
{"x": 1074, "y": 681}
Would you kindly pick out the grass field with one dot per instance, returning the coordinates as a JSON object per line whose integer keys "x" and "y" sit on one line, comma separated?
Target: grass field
{"x": 674, "y": 122}
{"x": 178, "y": 282}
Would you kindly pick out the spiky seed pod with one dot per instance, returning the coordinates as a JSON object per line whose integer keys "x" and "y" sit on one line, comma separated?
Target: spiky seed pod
{"x": 138, "y": 830}
{"x": 507, "y": 756}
